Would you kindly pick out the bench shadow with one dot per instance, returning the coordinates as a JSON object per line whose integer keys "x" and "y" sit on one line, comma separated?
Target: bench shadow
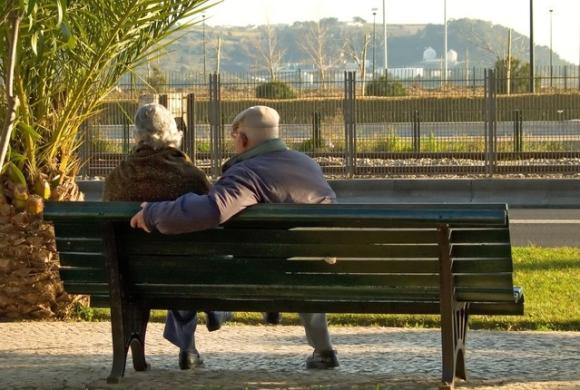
{"x": 572, "y": 264}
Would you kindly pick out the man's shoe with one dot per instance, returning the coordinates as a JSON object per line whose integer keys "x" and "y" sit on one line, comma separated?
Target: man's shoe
{"x": 272, "y": 318}
{"x": 322, "y": 360}
{"x": 188, "y": 360}
{"x": 215, "y": 319}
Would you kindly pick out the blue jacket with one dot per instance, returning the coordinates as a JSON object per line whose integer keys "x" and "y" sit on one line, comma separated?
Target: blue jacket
{"x": 277, "y": 176}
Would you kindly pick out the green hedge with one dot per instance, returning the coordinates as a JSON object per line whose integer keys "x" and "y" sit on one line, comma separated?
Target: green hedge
{"x": 390, "y": 109}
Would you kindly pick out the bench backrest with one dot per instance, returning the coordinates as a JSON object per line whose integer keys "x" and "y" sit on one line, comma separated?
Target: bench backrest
{"x": 276, "y": 257}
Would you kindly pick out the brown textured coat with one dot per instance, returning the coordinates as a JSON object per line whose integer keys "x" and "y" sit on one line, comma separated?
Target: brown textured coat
{"x": 154, "y": 175}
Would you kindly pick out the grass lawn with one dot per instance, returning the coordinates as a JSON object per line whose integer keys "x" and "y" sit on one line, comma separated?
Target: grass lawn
{"x": 550, "y": 278}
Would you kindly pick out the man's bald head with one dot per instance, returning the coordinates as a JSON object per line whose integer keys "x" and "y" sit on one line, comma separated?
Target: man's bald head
{"x": 258, "y": 123}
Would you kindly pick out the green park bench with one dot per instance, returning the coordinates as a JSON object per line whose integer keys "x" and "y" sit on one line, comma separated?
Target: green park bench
{"x": 453, "y": 260}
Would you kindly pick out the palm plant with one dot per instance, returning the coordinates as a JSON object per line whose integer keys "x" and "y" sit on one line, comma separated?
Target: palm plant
{"x": 58, "y": 60}
{"x": 70, "y": 54}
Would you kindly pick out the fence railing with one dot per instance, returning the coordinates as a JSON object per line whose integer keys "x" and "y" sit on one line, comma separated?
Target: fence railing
{"x": 450, "y": 131}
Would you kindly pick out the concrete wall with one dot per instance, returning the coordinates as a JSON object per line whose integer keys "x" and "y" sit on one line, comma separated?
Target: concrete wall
{"x": 518, "y": 193}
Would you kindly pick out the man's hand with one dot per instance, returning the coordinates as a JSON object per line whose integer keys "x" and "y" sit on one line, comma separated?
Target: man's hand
{"x": 138, "y": 220}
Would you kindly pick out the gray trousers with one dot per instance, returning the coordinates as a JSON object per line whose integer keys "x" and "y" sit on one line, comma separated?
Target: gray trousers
{"x": 180, "y": 328}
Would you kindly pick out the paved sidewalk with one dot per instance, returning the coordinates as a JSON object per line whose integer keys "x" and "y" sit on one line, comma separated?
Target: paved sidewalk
{"x": 59, "y": 355}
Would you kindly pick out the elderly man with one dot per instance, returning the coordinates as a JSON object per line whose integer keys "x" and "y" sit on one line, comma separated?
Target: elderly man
{"x": 263, "y": 171}
{"x": 157, "y": 170}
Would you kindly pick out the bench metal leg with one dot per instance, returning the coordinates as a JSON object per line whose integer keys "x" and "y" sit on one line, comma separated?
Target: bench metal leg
{"x": 454, "y": 318}
{"x": 129, "y": 324}
{"x": 453, "y": 332}
{"x": 128, "y": 319}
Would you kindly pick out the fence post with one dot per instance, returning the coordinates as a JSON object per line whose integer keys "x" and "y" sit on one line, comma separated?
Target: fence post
{"x": 517, "y": 138}
{"x": 126, "y": 140}
{"x": 490, "y": 121}
{"x": 350, "y": 122}
{"x": 214, "y": 123}
{"x": 163, "y": 100}
{"x": 190, "y": 141}
{"x": 316, "y": 139}
{"x": 416, "y": 132}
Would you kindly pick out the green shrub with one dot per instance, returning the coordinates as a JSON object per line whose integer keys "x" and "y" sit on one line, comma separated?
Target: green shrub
{"x": 385, "y": 87}
{"x": 274, "y": 90}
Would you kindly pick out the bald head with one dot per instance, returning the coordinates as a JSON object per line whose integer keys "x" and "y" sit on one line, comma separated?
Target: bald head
{"x": 258, "y": 123}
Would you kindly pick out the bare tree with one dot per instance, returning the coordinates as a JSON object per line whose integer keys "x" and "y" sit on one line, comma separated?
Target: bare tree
{"x": 356, "y": 48}
{"x": 266, "y": 46}
{"x": 315, "y": 44}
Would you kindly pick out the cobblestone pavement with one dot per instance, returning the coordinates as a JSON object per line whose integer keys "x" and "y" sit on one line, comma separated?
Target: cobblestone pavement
{"x": 61, "y": 355}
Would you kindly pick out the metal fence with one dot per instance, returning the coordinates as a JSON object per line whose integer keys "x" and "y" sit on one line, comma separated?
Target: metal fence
{"x": 466, "y": 124}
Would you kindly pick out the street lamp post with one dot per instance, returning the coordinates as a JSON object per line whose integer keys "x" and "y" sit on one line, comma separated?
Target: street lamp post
{"x": 532, "y": 63}
{"x": 445, "y": 39}
{"x": 204, "y": 51}
{"x": 374, "y": 41}
{"x": 551, "y": 51}
{"x": 386, "y": 62}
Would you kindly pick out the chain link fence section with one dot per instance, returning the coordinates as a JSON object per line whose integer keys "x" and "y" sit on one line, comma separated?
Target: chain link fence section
{"x": 400, "y": 124}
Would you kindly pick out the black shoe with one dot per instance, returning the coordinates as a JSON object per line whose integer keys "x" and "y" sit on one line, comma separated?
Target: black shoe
{"x": 272, "y": 318}
{"x": 188, "y": 359}
{"x": 215, "y": 319}
{"x": 322, "y": 360}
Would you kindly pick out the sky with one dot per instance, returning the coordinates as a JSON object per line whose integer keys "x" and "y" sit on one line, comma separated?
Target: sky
{"x": 510, "y": 13}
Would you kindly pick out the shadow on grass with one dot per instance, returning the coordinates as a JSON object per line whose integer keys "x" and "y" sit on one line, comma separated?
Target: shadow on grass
{"x": 561, "y": 264}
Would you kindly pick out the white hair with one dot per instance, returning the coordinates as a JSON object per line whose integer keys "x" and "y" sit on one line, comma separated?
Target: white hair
{"x": 156, "y": 127}
{"x": 261, "y": 123}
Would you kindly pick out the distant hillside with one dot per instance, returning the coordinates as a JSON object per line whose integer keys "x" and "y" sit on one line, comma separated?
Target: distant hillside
{"x": 477, "y": 43}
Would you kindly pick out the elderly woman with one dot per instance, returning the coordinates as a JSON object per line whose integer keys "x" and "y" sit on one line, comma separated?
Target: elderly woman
{"x": 157, "y": 170}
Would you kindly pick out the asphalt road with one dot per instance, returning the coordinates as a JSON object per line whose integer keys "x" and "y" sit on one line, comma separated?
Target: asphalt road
{"x": 546, "y": 130}
{"x": 545, "y": 227}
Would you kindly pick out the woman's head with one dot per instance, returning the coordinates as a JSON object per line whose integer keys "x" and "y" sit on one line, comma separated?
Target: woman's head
{"x": 156, "y": 127}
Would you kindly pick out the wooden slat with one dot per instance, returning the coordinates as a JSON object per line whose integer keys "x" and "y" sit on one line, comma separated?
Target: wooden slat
{"x": 286, "y": 279}
{"x": 273, "y": 249}
{"x": 480, "y": 235}
{"x": 495, "y": 280}
{"x": 259, "y": 292}
{"x": 80, "y": 229}
{"x": 85, "y": 288}
{"x": 82, "y": 259}
{"x": 79, "y": 275}
{"x": 178, "y": 264}
{"x": 480, "y": 250}
{"x": 337, "y": 215}
{"x": 302, "y": 236}
{"x": 482, "y": 265}
{"x": 76, "y": 244}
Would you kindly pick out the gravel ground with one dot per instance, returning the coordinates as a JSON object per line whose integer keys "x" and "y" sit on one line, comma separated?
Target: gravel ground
{"x": 61, "y": 355}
